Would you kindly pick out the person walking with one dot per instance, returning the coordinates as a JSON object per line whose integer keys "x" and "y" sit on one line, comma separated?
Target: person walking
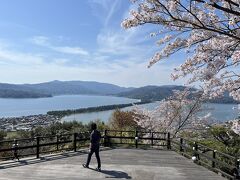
{"x": 95, "y": 138}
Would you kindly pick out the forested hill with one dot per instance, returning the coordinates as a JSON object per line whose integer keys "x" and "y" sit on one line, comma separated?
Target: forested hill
{"x": 151, "y": 93}
{"x": 19, "y": 91}
{"x": 59, "y": 88}
{"x": 157, "y": 93}
{"x": 48, "y": 89}
{"x": 78, "y": 87}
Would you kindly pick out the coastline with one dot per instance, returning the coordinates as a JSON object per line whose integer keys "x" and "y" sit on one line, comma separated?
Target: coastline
{"x": 68, "y": 112}
{"x": 29, "y": 122}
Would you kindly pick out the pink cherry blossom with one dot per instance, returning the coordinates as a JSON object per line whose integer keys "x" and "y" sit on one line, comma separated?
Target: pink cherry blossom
{"x": 174, "y": 114}
{"x": 209, "y": 31}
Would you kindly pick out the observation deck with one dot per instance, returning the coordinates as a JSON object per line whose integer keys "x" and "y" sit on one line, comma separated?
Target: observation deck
{"x": 124, "y": 154}
{"x": 118, "y": 163}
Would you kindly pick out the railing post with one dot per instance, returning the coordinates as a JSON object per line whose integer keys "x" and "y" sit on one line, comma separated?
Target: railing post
{"x": 237, "y": 175}
{"x": 15, "y": 149}
{"x": 181, "y": 145}
{"x": 38, "y": 147}
{"x": 105, "y": 138}
{"x": 214, "y": 157}
{"x": 57, "y": 142}
{"x": 152, "y": 139}
{"x": 196, "y": 150}
{"x": 136, "y": 138}
{"x": 121, "y": 138}
{"x": 75, "y": 142}
{"x": 168, "y": 141}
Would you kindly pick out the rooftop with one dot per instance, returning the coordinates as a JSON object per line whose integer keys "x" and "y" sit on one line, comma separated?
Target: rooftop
{"x": 121, "y": 163}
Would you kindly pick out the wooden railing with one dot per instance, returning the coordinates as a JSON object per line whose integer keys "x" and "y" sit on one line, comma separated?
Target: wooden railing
{"x": 137, "y": 138}
{"x": 219, "y": 162}
{"x": 17, "y": 148}
{"x": 216, "y": 161}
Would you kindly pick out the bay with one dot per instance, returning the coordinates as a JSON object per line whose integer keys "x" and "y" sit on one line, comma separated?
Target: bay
{"x": 25, "y": 107}
{"x": 102, "y": 115}
{"x": 219, "y": 113}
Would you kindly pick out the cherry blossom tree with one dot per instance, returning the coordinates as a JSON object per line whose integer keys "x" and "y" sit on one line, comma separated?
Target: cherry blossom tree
{"x": 175, "y": 114}
{"x": 209, "y": 32}
{"x": 236, "y": 126}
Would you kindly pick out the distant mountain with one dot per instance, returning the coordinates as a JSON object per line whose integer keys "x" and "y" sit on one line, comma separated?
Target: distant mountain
{"x": 78, "y": 87}
{"x": 48, "y": 89}
{"x": 151, "y": 93}
{"x": 59, "y": 88}
{"x": 157, "y": 93}
{"x": 101, "y": 88}
{"x": 19, "y": 91}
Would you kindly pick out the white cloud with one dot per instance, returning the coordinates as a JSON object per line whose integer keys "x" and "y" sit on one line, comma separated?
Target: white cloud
{"x": 123, "y": 48}
{"x": 44, "y": 41}
{"x": 19, "y": 58}
{"x": 40, "y": 40}
{"x": 138, "y": 75}
{"x": 70, "y": 50}
{"x": 121, "y": 57}
{"x": 111, "y": 11}
{"x": 133, "y": 75}
{"x": 115, "y": 42}
{"x": 104, "y": 9}
{"x": 20, "y": 67}
{"x": 121, "y": 45}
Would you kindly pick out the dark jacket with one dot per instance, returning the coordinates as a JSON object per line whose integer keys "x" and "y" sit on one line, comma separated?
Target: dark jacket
{"x": 95, "y": 138}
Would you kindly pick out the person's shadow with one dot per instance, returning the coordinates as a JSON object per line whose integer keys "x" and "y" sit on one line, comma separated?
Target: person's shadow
{"x": 115, "y": 174}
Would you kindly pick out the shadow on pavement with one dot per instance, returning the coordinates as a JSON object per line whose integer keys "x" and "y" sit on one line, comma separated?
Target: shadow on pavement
{"x": 45, "y": 158}
{"x": 29, "y": 161}
{"x": 113, "y": 174}
{"x": 116, "y": 174}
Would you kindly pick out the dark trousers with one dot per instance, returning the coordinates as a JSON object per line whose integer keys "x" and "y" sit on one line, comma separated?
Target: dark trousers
{"x": 15, "y": 155}
{"x": 96, "y": 151}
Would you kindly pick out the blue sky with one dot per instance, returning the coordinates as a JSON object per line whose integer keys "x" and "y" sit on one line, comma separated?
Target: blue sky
{"x": 45, "y": 40}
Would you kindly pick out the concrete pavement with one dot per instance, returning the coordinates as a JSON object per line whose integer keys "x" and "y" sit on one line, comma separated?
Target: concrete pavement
{"x": 134, "y": 164}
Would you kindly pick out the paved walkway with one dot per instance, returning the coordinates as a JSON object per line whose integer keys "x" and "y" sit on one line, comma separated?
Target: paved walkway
{"x": 116, "y": 164}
